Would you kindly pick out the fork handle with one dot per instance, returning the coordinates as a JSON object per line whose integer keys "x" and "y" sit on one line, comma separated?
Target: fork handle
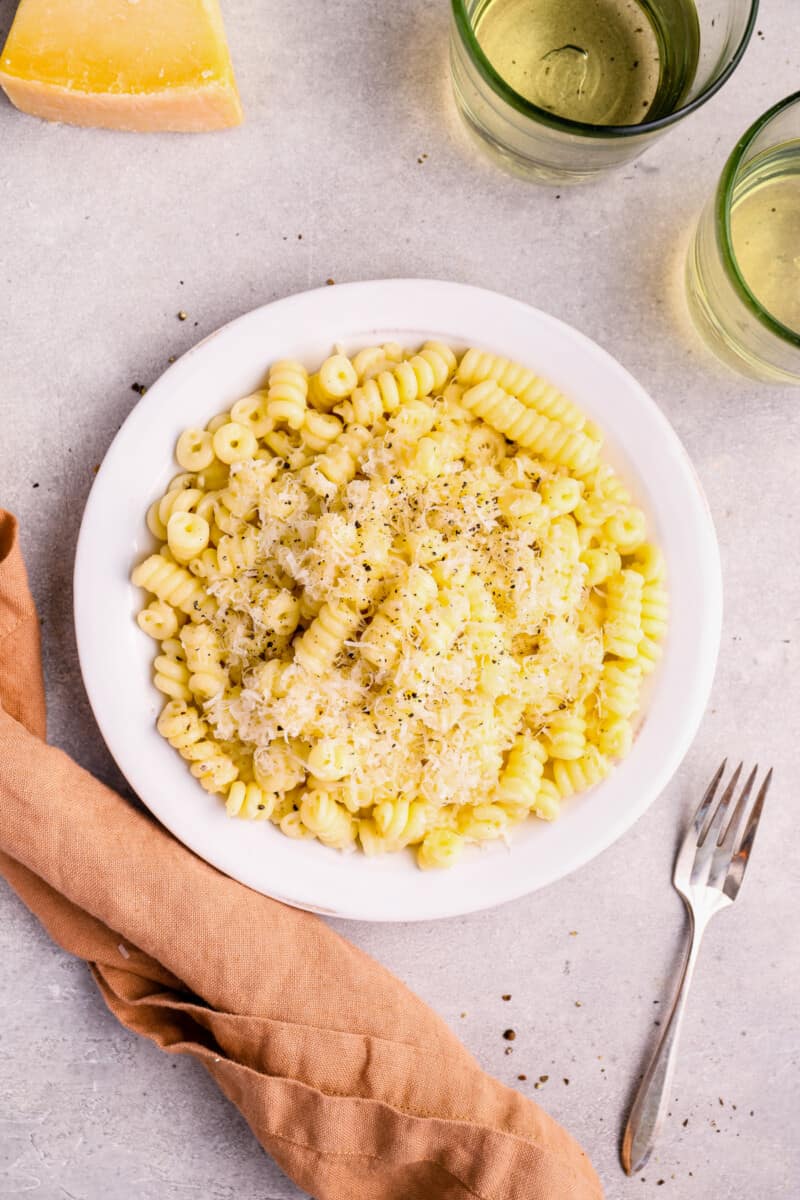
{"x": 650, "y": 1106}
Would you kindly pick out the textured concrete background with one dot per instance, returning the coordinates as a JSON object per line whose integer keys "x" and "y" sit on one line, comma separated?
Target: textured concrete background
{"x": 103, "y": 238}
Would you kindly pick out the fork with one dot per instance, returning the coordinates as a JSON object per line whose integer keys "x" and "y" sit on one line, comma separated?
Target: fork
{"x": 708, "y": 874}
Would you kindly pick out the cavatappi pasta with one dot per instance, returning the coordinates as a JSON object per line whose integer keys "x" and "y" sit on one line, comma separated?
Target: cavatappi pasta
{"x": 400, "y": 602}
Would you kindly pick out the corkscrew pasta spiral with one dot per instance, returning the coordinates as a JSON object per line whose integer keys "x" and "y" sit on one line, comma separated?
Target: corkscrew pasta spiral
{"x": 401, "y": 822}
{"x": 521, "y": 777}
{"x": 623, "y": 627}
{"x": 562, "y": 445}
{"x": 171, "y": 674}
{"x": 249, "y": 801}
{"x": 287, "y": 393}
{"x": 327, "y": 819}
{"x": 578, "y": 774}
{"x": 182, "y": 726}
{"x": 159, "y": 620}
{"x": 178, "y": 500}
{"x": 566, "y": 734}
{"x": 317, "y": 649}
{"x": 534, "y": 392}
{"x": 170, "y": 583}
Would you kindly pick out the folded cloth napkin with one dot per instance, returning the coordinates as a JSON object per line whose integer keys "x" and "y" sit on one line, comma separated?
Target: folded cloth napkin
{"x": 347, "y": 1079}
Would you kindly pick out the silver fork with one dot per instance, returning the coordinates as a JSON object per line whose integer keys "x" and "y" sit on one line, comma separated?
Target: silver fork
{"x": 708, "y": 874}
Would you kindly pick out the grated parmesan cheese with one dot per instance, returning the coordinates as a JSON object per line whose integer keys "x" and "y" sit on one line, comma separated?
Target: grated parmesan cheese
{"x": 435, "y": 572}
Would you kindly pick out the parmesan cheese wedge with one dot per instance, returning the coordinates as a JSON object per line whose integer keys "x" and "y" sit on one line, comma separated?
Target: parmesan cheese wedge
{"x": 122, "y": 64}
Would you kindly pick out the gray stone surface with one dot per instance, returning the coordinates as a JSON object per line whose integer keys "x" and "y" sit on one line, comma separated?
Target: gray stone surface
{"x": 103, "y": 238}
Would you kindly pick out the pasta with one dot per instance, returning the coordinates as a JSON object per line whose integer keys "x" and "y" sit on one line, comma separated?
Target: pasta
{"x": 184, "y": 729}
{"x": 400, "y": 602}
{"x": 170, "y": 583}
{"x": 534, "y": 392}
{"x": 623, "y": 627}
{"x": 287, "y": 393}
{"x": 551, "y": 439}
{"x": 171, "y": 671}
{"x": 159, "y": 620}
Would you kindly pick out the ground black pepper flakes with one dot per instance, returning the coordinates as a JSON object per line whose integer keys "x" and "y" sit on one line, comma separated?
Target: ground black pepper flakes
{"x": 509, "y": 1035}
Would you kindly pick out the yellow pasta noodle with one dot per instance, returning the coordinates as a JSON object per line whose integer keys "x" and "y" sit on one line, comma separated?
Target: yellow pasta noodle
{"x": 559, "y": 443}
{"x": 327, "y": 819}
{"x": 623, "y": 626}
{"x": 337, "y": 377}
{"x": 159, "y": 620}
{"x": 440, "y": 848}
{"x": 234, "y": 442}
{"x": 170, "y": 583}
{"x": 251, "y": 411}
{"x": 534, "y": 392}
{"x": 195, "y": 449}
{"x": 171, "y": 671}
{"x": 184, "y": 729}
{"x": 249, "y": 801}
{"x": 566, "y": 734}
{"x": 287, "y": 393}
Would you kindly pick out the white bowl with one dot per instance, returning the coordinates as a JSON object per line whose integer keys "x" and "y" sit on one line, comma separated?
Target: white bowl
{"x": 116, "y": 657}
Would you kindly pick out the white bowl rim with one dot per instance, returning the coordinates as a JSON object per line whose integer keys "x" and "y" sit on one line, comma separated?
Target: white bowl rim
{"x": 379, "y": 890}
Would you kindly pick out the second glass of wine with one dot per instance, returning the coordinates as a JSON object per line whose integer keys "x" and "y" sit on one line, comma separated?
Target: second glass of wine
{"x": 562, "y": 90}
{"x": 743, "y": 269}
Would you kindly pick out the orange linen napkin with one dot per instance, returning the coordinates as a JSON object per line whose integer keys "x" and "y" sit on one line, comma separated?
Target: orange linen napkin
{"x": 349, "y": 1081}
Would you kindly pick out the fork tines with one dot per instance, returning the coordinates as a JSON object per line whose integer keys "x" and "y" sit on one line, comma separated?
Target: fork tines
{"x": 718, "y": 843}
{"x": 726, "y": 831}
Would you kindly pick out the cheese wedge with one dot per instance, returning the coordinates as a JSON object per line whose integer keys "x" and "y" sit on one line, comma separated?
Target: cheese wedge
{"x": 122, "y": 64}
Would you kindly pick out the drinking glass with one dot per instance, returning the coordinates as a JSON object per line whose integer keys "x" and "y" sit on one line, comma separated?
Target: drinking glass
{"x": 700, "y": 43}
{"x": 737, "y": 323}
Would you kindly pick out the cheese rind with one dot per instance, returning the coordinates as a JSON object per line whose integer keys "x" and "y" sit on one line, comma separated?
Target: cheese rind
{"x": 122, "y": 64}
{"x": 179, "y": 110}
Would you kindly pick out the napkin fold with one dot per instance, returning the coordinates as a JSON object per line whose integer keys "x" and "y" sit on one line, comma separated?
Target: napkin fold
{"x": 347, "y": 1079}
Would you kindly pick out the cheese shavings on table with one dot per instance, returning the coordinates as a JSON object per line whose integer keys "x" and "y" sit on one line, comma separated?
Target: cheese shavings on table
{"x": 402, "y": 602}
{"x": 122, "y": 64}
